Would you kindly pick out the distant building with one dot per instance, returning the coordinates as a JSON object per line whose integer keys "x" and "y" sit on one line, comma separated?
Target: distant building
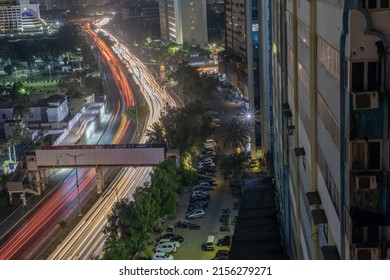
{"x": 142, "y": 12}
{"x": 184, "y": 21}
{"x": 21, "y": 19}
{"x": 242, "y": 63}
{"x": 53, "y": 109}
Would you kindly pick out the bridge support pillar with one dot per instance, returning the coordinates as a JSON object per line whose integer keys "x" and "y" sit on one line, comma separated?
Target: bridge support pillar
{"x": 41, "y": 179}
{"x": 99, "y": 179}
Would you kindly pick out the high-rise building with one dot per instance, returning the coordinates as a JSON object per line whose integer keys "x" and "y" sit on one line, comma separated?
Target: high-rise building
{"x": 184, "y": 21}
{"x": 244, "y": 62}
{"x": 331, "y": 85}
{"x": 22, "y": 18}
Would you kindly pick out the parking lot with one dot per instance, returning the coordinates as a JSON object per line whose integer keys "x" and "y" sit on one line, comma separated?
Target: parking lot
{"x": 221, "y": 197}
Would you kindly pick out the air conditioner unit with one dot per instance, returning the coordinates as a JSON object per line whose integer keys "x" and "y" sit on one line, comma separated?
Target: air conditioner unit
{"x": 366, "y": 254}
{"x": 365, "y": 100}
{"x": 364, "y": 183}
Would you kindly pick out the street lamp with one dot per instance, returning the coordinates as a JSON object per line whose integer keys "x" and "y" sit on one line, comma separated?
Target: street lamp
{"x": 77, "y": 179}
{"x": 49, "y": 71}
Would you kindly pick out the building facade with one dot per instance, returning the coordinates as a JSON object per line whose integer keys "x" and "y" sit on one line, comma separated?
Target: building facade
{"x": 184, "y": 21}
{"x": 331, "y": 83}
{"x": 245, "y": 61}
{"x": 20, "y": 19}
{"x": 50, "y": 110}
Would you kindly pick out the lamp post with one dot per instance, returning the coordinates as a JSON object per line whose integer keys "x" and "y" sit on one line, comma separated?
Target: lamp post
{"x": 49, "y": 71}
{"x": 249, "y": 120}
{"x": 77, "y": 179}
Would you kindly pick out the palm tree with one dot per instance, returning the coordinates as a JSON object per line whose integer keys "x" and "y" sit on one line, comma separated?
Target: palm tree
{"x": 155, "y": 133}
{"x": 234, "y": 135}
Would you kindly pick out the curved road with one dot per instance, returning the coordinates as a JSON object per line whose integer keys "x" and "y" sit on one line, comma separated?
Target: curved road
{"x": 35, "y": 234}
{"x": 87, "y": 239}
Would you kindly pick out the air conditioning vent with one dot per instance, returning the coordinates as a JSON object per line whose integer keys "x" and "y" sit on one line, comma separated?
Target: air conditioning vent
{"x": 366, "y": 254}
{"x": 365, "y": 100}
{"x": 365, "y": 183}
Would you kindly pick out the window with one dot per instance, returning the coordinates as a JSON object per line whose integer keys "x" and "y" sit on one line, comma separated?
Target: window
{"x": 365, "y": 76}
{"x": 385, "y": 4}
{"x": 328, "y": 57}
{"x": 358, "y": 76}
{"x": 329, "y": 121}
{"x": 371, "y": 4}
{"x": 373, "y": 75}
{"x": 366, "y": 155}
{"x": 4, "y": 116}
{"x": 329, "y": 181}
{"x": 304, "y": 77}
{"x": 304, "y": 33}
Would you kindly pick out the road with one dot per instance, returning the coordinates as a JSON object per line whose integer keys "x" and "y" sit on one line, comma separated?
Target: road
{"x": 27, "y": 239}
{"x": 87, "y": 239}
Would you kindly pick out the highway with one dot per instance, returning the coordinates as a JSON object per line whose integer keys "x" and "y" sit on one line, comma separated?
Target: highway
{"x": 86, "y": 241}
{"x": 28, "y": 238}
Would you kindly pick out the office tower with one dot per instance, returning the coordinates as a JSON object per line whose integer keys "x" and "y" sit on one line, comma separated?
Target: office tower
{"x": 331, "y": 82}
{"x": 21, "y": 19}
{"x": 243, "y": 63}
{"x": 184, "y": 21}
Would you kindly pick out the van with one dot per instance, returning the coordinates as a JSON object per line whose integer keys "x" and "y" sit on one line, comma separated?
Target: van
{"x": 210, "y": 244}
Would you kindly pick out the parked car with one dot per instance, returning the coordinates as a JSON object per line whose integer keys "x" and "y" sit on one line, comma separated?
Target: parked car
{"x": 200, "y": 193}
{"x": 224, "y": 241}
{"x": 198, "y": 204}
{"x": 162, "y": 256}
{"x": 197, "y": 213}
{"x": 167, "y": 240}
{"x": 207, "y": 152}
{"x": 200, "y": 180}
{"x": 202, "y": 157}
{"x": 168, "y": 247}
{"x": 206, "y": 173}
{"x": 172, "y": 237}
{"x": 209, "y": 171}
{"x": 203, "y": 186}
{"x": 209, "y": 143}
{"x": 206, "y": 165}
{"x": 221, "y": 255}
{"x": 206, "y": 161}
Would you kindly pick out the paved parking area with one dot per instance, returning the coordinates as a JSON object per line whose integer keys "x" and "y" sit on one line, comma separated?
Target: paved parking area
{"x": 220, "y": 198}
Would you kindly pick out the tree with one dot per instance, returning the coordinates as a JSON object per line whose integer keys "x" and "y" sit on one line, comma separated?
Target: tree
{"x": 234, "y": 166}
{"x": 234, "y": 135}
{"x": 8, "y": 69}
{"x": 155, "y": 133}
{"x": 130, "y": 224}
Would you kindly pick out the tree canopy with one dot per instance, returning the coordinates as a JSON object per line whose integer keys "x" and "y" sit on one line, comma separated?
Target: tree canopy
{"x": 130, "y": 223}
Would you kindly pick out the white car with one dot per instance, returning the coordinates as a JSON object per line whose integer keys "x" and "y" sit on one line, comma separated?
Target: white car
{"x": 168, "y": 247}
{"x": 209, "y": 143}
{"x": 166, "y": 240}
{"x": 162, "y": 256}
{"x": 197, "y": 213}
{"x": 209, "y": 165}
{"x": 206, "y": 161}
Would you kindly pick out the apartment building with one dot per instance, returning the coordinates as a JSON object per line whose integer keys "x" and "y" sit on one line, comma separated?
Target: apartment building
{"x": 331, "y": 82}
{"x": 184, "y": 21}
